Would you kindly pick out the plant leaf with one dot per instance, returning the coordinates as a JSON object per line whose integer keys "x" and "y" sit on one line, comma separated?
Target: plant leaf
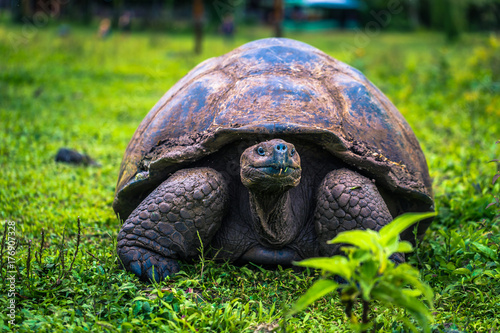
{"x": 490, "y": 204}
{"x": 408, "y": 324}
{"x": 338, "y": 265}
{"x": 389, "y": 294}
{"x": 495, "y": 177}
{"x": 364, "y": 239}
{"x": 319, "y": 289}
{"x": 368, "y": 277}
{"x": 406, "y": 274}
{"x": 461, "y": 271}
{"x": 404, "y": 247}
{"x": 486, "y": 251}
{"x": 401, "y": 223}
{"x": 412, "y": 292}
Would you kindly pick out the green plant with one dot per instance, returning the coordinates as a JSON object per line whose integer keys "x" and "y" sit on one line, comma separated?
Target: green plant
{"x": 370, "y": 275}
{"x": 495, "y": 178}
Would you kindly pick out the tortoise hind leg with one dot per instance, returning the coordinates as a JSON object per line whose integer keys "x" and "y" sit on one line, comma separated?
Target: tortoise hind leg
{"x": 164, "y": 227}
{"x": 346, "y": 201}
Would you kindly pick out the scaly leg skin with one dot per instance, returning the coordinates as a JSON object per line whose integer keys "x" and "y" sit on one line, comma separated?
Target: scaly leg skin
{"x": 163, "y": 228}
{"x": 348, "y": 201}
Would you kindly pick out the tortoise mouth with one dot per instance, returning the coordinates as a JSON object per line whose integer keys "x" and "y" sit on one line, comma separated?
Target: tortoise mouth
{"x": 278, "y": 171}
{"x": 270, "y": 177}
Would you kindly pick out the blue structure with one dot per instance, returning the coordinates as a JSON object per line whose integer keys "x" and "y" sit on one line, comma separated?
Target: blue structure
{"x": 314, "y": 15}
{"x": 337, "y": 4}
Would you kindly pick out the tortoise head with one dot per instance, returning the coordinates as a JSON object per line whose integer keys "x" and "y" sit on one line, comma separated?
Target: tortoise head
{"x": 270, "y": 166}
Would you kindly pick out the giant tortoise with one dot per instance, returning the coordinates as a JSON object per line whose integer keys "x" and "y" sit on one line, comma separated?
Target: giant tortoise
{"x": 263, "y": 155}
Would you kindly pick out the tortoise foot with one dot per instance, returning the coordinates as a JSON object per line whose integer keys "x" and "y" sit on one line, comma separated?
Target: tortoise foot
{"x": 169, "y": 223}
{"x": 398, "y": 258}
{"x": 147, "y": 265}
{"x": 347, "y": 201}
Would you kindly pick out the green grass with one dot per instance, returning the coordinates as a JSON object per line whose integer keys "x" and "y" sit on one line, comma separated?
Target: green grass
{"x": 91, "y": 95}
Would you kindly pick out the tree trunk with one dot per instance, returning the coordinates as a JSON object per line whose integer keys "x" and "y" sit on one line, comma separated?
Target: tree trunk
{"x": 117, "y": 12}
{"x": 86, "y": 12}
{"x": 413, "y": 7}
{"x": 198, "y": 25}
{"x": 21, "y": 9}
{"x": 169, "y": 14}
{"x": 278, "y": 18}
{"x": 449, "y": 16}
{"x": 454, "y": 21}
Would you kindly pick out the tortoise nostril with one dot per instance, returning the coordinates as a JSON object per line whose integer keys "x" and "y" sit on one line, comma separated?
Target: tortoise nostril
{"x": 281, "y": 147}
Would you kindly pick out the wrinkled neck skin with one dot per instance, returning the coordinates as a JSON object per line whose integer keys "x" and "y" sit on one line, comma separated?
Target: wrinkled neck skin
{"x": 272, "y": 217}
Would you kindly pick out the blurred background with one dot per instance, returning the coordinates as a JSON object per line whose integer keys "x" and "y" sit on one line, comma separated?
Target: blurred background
{"x": 230, "y": 17}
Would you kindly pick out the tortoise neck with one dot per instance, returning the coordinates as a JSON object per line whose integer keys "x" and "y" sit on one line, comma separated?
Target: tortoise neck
{"x": 273, "y": 218}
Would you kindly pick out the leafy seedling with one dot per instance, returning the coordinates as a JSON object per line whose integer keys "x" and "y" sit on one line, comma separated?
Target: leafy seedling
{"x": 370, "y": 275}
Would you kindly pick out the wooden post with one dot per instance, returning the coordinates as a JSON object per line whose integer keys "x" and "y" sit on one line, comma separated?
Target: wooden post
{"x": 278, "y": 18}
{"x": 198, "y": 25}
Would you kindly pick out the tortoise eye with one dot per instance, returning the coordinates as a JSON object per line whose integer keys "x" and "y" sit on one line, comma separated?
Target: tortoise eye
{"x": 261, "y": 151}
{"x": 292, "y": 152}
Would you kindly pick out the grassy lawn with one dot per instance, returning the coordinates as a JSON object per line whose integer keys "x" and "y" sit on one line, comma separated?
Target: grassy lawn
{"x": 91, "y": 94}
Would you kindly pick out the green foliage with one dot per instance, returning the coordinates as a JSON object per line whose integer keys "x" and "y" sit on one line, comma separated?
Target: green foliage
{"x": 89, "y": 94}
{"x": 496, "y": 203}
{"x": 370, "y": 275}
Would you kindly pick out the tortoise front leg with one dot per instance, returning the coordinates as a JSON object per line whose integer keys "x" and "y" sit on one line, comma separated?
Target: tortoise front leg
{"x": 347, "y": 200}
{"x": 163, "y": 228}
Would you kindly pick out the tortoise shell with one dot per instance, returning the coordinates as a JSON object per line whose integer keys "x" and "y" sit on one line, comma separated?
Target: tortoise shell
{"x": 271, "y": 88}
